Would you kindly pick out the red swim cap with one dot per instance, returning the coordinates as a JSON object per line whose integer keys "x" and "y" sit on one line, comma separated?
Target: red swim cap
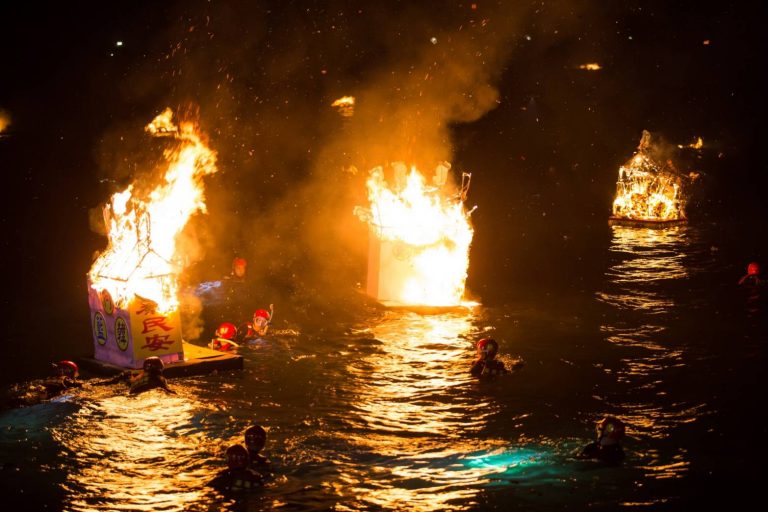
{"x": 226, "y": 330}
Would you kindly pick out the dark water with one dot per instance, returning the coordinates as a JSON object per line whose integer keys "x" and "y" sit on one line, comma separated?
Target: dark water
{"x": 380, "y": 413}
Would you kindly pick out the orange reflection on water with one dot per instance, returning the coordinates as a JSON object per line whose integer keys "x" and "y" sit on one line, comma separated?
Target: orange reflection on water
{"x": 411, "y": 420}
{"x": 136, "y": 453}
{"x": 647, "y": 264}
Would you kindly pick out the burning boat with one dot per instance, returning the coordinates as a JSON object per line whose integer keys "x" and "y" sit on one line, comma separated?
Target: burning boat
{"x": 419, "y": 237}
{"x": 650, "y": 191}
{"x": 133, "y": 285}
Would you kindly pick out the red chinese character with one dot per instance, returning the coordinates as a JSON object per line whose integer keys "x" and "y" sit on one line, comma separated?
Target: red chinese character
{"x": 147, "y": 308}
{"x": 156, "y": 321}
{"x": 157, "y": 342}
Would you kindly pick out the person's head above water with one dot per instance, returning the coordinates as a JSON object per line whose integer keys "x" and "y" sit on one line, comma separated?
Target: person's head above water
{"x": 238, "y": 267}
{"x": 753, "y": 269}
{"x": 255, "y": 438}
{"x": 610, "y": 431}
{"x": 67, "y": 369}
{"x": 226, "y": 330}
{"x": 260, "y": 316}
{"x": 487, "y": 348}
{"x": 153, "y": 365}
{"x": 237, "y": 457}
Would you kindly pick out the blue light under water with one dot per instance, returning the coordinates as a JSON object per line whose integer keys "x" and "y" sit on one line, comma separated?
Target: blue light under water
{"x": 534, "y": 465}
{"x": 509, "y": 459}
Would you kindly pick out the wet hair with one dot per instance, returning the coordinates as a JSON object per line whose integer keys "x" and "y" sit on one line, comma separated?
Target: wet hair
{"x": 237, "y": 457}
{"x": 255, "y": 437}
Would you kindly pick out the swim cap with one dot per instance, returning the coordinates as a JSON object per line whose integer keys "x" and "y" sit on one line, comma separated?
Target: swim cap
{"x": 226, "y": 330}
{"x": 487, "y": 346}
{"x": 153, "y": 363}
{"x": 237, "y": 457}
{"x": 68, "y": 368}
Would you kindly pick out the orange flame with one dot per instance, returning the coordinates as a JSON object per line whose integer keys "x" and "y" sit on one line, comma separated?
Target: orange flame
{"x": 5, "y": 120}
{"x": 591, "y": 66}
{"x": 429, "y": 229}
{"x": 648, "y": 189}
{"x": 141, "y": 257}
{"x": 345, "y": 105}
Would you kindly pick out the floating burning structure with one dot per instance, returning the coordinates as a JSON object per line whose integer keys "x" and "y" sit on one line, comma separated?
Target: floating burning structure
{"x": 419, "y": 239}
{"x": 133, "y": 284}
{"x": 649, "y": 190}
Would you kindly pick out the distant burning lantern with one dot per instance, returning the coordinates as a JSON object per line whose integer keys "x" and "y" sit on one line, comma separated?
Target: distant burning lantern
{"x": 419, "y": 240}
{"x": 133, "y": 284}
{"x": 649, "y": 190}
{"x": 345, "y": 106}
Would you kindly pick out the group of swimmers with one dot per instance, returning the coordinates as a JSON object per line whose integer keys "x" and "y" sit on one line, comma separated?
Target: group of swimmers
{"x": 246, "y": 467}
{"x": 610, "y": 430}
{"x": 228, "y": 337}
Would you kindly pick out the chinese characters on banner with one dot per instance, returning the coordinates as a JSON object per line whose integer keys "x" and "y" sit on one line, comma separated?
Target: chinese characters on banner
{"x": 154, "y": 333}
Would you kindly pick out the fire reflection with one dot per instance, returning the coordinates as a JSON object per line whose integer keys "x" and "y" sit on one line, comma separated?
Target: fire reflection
{"x": 137, "y": 453}
{"x": 412, "y": 415}
{"x": 647, "y": 264}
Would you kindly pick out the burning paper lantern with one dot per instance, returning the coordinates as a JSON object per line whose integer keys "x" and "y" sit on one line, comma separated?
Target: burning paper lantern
{"x": 419, "y": 240}
{"x": 133, "y": 284}
{"x": 649, "y": 190}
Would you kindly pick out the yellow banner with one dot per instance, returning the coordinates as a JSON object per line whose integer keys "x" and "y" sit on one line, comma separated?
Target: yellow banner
{"x": 153, "y": 333}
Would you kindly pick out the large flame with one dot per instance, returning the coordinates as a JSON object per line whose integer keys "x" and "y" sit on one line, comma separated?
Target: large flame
{"x": 648, "y": 189}
{"x": 141, "y": 258}
{"x": 430, "y": 228}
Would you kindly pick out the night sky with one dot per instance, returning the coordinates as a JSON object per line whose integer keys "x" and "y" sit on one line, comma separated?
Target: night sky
{"x": 494, "y": 88}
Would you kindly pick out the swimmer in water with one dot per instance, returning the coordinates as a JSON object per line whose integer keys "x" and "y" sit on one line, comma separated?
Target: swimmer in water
{"x": 65, "y": 377}
{"x": 65, "y": 374}
{"x": 486, "y": 364}
{"x": 255, "y": 439}
{"x": 225, "y": 336}
{"x": 254, "y": 330}
{"x": 752, "y": 277}
{"x": 151, "y": 377}
{"x": 239, "y": 266}
{"x": 238, "y": 477}
{"x": 607, "y": 447}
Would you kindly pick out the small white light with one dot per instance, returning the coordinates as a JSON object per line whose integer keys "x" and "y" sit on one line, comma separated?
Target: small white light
{"x": 119, "y": 43}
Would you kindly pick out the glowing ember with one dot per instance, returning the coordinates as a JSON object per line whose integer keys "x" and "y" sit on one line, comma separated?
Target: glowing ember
{"x": 141, "y": 259}
{"x": 5, "y": 121}
{"x": 422, "y": 233}
{"x": 697, "y": 144}
{"x": 345, "y": 105}
{"x": 591, "y": 66}
{"x": 648, "y": 189}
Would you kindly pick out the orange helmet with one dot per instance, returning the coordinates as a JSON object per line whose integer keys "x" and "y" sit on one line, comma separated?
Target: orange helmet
{"x": 226, "y": 330}
{"x": 753, "y": 269}
{"x": 237, "y": 457}
{"x": 487, "y": 347}
{"x": 68, "y": 368}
